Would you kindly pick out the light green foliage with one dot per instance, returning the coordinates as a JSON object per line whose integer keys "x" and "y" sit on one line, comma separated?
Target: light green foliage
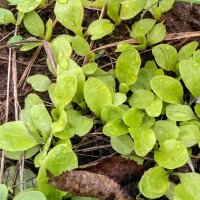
{"x": 70, "y": 15}
{"x": 32, "y": 99}
{"x": 197, "y": 109}
{"x": 49, "y": 29}
{"x": 58, "y": 160}
{"x": 110, "y": 112}
{"x": 34, "y": 24}
{"x": 179, "y": 112}
{"x": 168, "y": 89}
{"x": 188, "y": 188}
{"x": 6, "y": 17}
{"x": 41, "y": 118}
{"x": 130, "y": 9}
{"x": 63, "y": 91}
{"x": 166, "y": 5}
{"x": 127, "y": 66}
{"x": 3, "y": 192}
{"x": 82, "y": 198}
{"x": 22, "y": 138}
{"x": 189, "y": 134}
{"x": 113, "y": 10}
{"x": 60, "y": 123}
{"x": 144, "y": 140}
{"x": 89, "y": 68}
{"x": 141, "y": 99}
{"x": 100, "y": 28}
{"x": 31, "y": 45}
{"x": 133, "y": 117}
{"x": 142, "y": 27}
{"x": 154, "y": 108}
{"x": 16, "y": 155}
{"x": 80, "y": 46}
{"x": 156, "y": 34}
{"x": 61, "y": 50}
{"x": 154, "y": 182}
{"x": 186, "y": 51}
{"x": 115, "y": 127}
{"x": 28, "y": 176}
{"x": 122, "y": 144}
{"x": 100, "y": 93}
{"x": 190, "y": 73}
{"x": 34, "y": 195}
{"x": 171, "y": 154}
{"x": 27, "y": 6}
{"x": 39, "y": 82}
{"x": 165, "y": 130}
{"x": 165, "y": 56}
{"x": 119, "y": 98}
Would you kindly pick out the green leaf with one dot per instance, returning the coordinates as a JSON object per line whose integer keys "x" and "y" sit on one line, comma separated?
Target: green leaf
{"x": 60, "y": 124}
{"x": 187, "y": 50}
{"x": 133, "y": 117}
{"x": 113, "y": 7}
{"x": 122, "y": 144}
{"x": 97, "y": 95}
{"x": 167, "y": 88}
{"x": 17, "y": 155}
{"x": 61, "y": 50}
{"x": 119, "y": 98}
{"x": 27, "y": 6}
{"x": 130, "y": 9}
{"x": 127, "y": 66}
{"x": 61, "y": 158}
{"x": 6, "y": 17}
{"x": 142, "y": 27}
{"x": 82, "y": 198}
{"x": 39, "y": 82}
{"x": 154, "y": 182}
{"x": 144, "y": 140}
{"x": 115, "y": 127}
{"x": 90, "y": 68}
{"x": 188, "y": 188}
{"x": 14, "y": 136}
{"x": 32, "y": 99}
{"x": 165, "y": 130}
{"x": 31, "y": 45}
{"x": 34, "y": 24}
{"x": 70, "y": 15}
{"x": 63, "y": 91}
{"x": 171, "y": 154}
{"x": 165, "y": 56}
{"x": 110, "y": 112}
{"x": 3, "y": 192}
{"x": 179, "y": 112}
{"x": 27, "y": 195}
{"x": 190, "y": 73}
{"x": 156, "y": 34}
{"x": 189, "y": 134}
{"x": 141, "y": 99}
{"x": 100, "y": 28}
{"x": 84, "y": 127}
{"x": 28, "y": 176}
{"x": 154, "y": 109}
{"x": 166, "y": 5}
{"x": 41, "y": 118}
{"x": 49, "y": 29}
{"x": 80, "y": 46}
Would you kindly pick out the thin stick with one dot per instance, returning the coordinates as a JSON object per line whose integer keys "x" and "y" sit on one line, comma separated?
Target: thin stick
{"x": 169, "y": 37}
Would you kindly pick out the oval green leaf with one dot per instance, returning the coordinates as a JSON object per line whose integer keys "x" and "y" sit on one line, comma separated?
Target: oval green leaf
{"x": 97, "y": 95}
{"x": 171, "y": 154}
{"x": 167, "y": 88}
{"x": 154, "y": 182}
